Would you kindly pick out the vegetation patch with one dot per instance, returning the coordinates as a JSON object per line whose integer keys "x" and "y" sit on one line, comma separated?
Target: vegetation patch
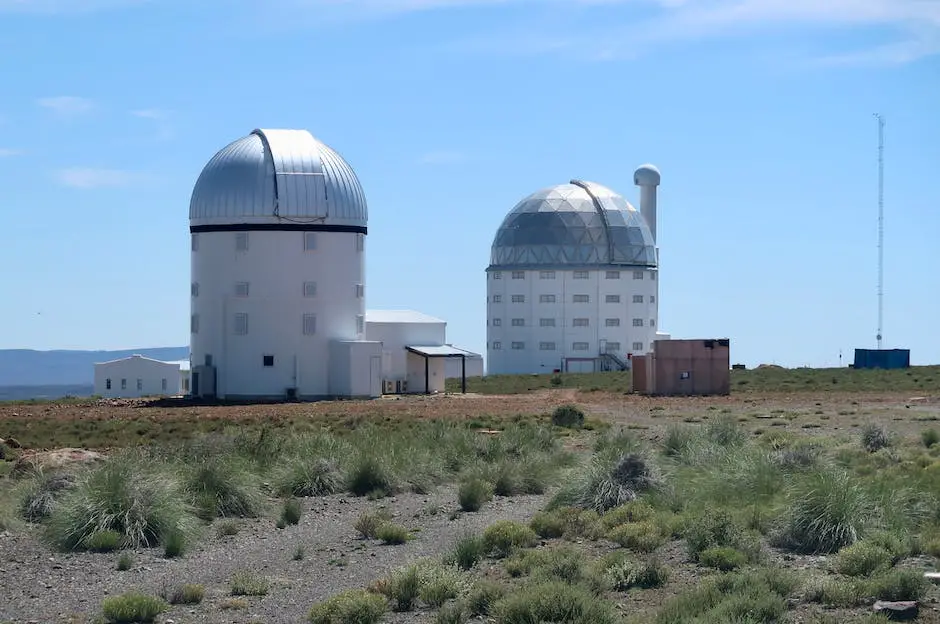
{"x": 355, "y": 606}
{"x": 132, "y": 607}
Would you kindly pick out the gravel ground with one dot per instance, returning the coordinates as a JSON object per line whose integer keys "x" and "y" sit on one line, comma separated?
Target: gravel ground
{"x": 40, "y": 585}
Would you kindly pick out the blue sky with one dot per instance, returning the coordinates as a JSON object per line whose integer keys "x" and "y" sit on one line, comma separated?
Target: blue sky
{"x": 758, "y": 113}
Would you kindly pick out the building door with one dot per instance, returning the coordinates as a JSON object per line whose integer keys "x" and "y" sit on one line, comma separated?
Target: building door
{"x": 375, "y": 376}
{"x": 195, "y": 377}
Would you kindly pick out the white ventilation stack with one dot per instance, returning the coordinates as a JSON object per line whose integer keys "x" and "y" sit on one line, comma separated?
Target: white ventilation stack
{"x": 647, "y": 178}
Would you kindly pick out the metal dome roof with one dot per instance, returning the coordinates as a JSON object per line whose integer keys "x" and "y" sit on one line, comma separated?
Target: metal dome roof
{"x": 278, "y": 176}
{"x": 570, "y": 225}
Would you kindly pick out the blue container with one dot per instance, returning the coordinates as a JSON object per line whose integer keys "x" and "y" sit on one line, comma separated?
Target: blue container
{"x": 882, "y": 358}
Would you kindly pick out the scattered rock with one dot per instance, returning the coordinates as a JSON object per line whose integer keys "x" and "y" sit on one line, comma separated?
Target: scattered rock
{"x": 900, "y": 611}
{"x": 55, "y": 460}
{"x": 933, "y": 577}
{"x": 11, "y": 442}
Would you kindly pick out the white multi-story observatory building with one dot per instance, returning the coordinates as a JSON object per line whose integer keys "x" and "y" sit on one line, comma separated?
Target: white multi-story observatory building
{"x": 278, "y": 223}
{"x": 572, "y": 282}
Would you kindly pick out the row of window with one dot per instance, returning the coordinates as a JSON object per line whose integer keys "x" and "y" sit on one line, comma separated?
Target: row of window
{"x": 637, "y": 275}
{"x": 611, "y": 347}
{"x": 574, "y": 299}
{"x": 575, "y": 322}
{"x": 309, "y": 241}
{"x": 140, "y": 384}
{"x": 240, "y": 324}
{"x": 241, "y": 289}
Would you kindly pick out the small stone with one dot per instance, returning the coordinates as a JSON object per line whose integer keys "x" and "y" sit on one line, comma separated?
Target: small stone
{"x": 899, "y": 611}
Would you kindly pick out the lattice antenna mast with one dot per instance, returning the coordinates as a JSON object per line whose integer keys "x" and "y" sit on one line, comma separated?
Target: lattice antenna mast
{"x": 881, "y": 222}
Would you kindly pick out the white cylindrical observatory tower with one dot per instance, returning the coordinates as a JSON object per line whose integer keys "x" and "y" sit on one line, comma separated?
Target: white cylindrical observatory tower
{"x": 278, "y": 223}
{"x": 647, "y": 178}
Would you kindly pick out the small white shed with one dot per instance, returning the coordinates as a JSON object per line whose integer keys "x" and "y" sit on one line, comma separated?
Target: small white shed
{"x": 137, "y": 376}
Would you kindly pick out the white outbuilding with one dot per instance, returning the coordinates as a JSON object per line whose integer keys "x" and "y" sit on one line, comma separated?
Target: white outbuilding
{"x": 278, "y": 222}
{"x": 415, "y": 354}
{"x": 138, "y": 376}
{"x": 572, "y": 283}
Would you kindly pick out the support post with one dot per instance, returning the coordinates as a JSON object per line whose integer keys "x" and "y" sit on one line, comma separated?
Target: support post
{"x": 427, "y": 375}
{"x": 463, "y": 373}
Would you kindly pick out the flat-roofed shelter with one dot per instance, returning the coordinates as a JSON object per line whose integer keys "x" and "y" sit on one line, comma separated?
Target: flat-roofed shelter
{"x": 439, "y": 354}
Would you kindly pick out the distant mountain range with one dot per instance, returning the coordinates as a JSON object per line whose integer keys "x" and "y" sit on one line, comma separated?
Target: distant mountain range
{"x": 26, "y": 373}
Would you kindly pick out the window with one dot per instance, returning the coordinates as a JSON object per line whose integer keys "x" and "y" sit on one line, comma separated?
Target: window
{"x": 518, "y": 346}
{"x": 638, "y": 275}
{"x": 107, "y": 384}
{"x": 194, "y": 242}
{"x": 497, "y": 275}
{"x": 612, "y": 347}
{"x": 194, "y": 289}
{"x": 546, "y": 298}
{"x": 267, "y": 360}
{"x": 581, "y": 298}
{"x": 360, "y": 291}
{"x": 123, "y": 384}
{"x": 241, "y": 289}
{"x": 652, "y": 298}
{"x": 547, "y": 322}
{"x": 613, "y": 299}
{"x": 579, "y": 346}
{"x": 518, "y": 298}
{"x": 581, "y": 274}
{"x": 360, "y": 242}
{"x": 310, "y": 289}
{"x": 546, "y": 346}
{"x": 638, "y": 322}
{"x": 140, "y": 384}
{"x": 614, "y": 322}
{"x": 580, "y": 322}
{"x": 497, "y": 322}
{"x": 637, "y": 346}
{"x": 310, "y": 324}
{"x": 652, "y": 322}
{"x": 208, "y": 359}
{"x": 194, "y": 324}
{"x": 310, "y": 241}
{"x": 497, "y": 298}
{"x": 518, "y": 275}
{"x": 518, "y": 322}
{"x": 546, "y": 275}
{"x": 240, "y": 324}
{"x": 497, "y": 345}
{"x": 653, "y": 275}
{"x": 241, "y": 241}
{"x": 612, "y": 275}
{"x": 360, "y": 324}
{"x": 637, "y": 298}
{"x": 163, "y": 384}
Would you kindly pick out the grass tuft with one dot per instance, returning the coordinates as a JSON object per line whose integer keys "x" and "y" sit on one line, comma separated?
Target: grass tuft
{"x": 132, "y": 607}
{"x": 245, "y": 583}
{"x": 355, "y": 606}
{"x": 501, "y": 538}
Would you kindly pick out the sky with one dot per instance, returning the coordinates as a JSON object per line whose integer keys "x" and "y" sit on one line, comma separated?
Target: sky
{"x": 759, "y": 113}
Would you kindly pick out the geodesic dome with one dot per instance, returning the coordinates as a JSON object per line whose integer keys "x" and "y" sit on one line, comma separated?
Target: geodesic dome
{"x": 576, "y": 224}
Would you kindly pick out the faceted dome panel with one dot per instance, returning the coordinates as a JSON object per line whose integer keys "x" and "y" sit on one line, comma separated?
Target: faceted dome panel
{"x": 576, "y": 224}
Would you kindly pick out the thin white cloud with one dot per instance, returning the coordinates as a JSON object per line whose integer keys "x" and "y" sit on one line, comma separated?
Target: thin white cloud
{"x": 92, "y": 178}
{"x": 160, "y": 118}
{"x": 7, "y": 152}
{"x": 442, "y": 157}
{"x": 66, "y": 105}
{"x": 150, "y": 113}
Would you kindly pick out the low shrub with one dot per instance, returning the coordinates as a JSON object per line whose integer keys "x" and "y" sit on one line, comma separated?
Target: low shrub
{"x": 609, "y": 483}
{"x": 710, "y": 528}
{"x": 863, "y": 559}
{"x": 132, "y": 607}
{"x": 482, "y": 596}
{"x": 468, "y": 550}
{"x": 472, "y": 493}
{"x": 41, "y": 496}
{"x": 452, "y": 613}
{"x": 504, "y": 536}
{"x": 722, "y": 558}
{"x": 174, "y": 544}
{"x": 897, "y": 584}
{"x": 392, "y": 534}
{"x": 874, "y": 437}
{"x": 355, "y": 606}
{"x": 568, "y": 416}
{"x": 245, "y": 583}
{"x": 622, "y": 574}
{"x": 228, "y": 528}
{"x": 563, "y": 564}
{"x": 291, "y": 511}
{"x": 305, "y": 475}
{"x": 368, "y": 523}
{"x": 402, "y": 588}
{"x": 642, "y": 537}
{"x": 438, "y": 585}
{"x": 554, "y": 601}
{"x": 930, "y": 437}
{"x": 124, "y": 562}
{"x": 370, "y": 475}
{"x": 103, "y": 541}
{"x": 221, "y": 486}
{"x": 754, "y": 596}
{"x": 187, "y": 594}
{"x": 634, "y": 511}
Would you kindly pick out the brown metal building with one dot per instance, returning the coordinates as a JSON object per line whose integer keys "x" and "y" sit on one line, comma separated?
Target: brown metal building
{"x": 684, "y": 368}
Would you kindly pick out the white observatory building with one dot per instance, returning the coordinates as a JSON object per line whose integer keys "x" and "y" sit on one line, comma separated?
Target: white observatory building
{"x": 278, "y": 223}
{"x": 572, "y": 282}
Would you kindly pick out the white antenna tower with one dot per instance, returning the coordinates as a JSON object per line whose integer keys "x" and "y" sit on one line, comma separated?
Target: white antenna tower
{"x": 881, "y": 222}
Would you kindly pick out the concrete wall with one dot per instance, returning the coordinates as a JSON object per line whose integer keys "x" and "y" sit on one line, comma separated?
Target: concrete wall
{"x": 520, "y": 341}
{"x": 137, "y": 376}
{"x": 275, "y": 265}
{"x": 415, "y": 373}
{"x": 355, "y": 369}
{"x": 395, "y": 337}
